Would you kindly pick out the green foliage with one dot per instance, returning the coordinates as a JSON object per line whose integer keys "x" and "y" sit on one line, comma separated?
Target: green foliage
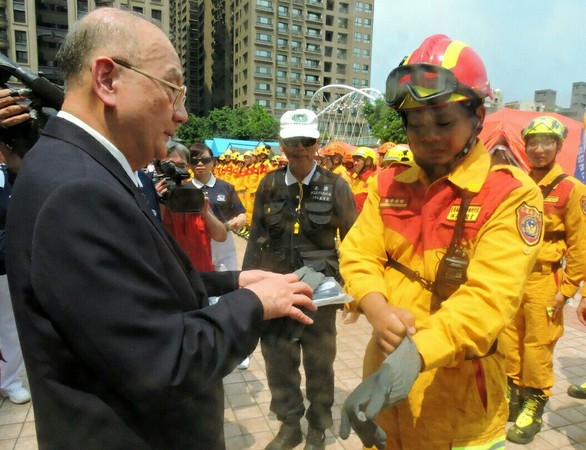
{"x": 385, "y": 123}
{"x": 250, "y": 123}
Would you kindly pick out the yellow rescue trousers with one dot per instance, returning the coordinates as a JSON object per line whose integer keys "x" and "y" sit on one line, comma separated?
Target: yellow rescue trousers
{"x": 529, "y": 340}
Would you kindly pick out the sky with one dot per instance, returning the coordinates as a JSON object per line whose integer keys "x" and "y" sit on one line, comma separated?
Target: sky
{"x": 525, "y": 45}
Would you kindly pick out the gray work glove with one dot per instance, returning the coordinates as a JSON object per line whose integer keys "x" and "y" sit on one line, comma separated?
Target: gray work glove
{"x": 386, "y": 387}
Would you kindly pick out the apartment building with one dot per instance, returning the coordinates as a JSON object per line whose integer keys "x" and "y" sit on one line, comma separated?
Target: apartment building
{"x": 285, "y": 50}
{"x": 31, "y": 31}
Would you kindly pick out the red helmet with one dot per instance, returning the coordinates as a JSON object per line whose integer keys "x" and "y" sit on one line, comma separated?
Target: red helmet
{"x": 334, "y": 148}
{"x": 441, "y": 70}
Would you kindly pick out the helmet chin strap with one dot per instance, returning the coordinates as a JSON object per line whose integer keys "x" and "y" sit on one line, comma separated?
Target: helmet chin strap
{"x": 436, "y": 171}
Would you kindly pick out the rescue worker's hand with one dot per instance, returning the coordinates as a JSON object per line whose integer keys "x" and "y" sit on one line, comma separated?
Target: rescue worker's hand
{"x": 581, "y": 311}
{"x": 386, "y": 387}
{"x": 349, "y": 317}
{"x": 390, "y": 324}
{"x": 11, "y": 113}
{"x": 559, "y": 301}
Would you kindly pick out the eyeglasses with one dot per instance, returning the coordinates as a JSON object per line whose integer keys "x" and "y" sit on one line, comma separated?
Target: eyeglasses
{"x": 205, "y": 160}
{"x": 544, "y": 142}
{"x": 426, "y": 83}
{"x": 179, "y": 99}
{"x": 304, "y": 141}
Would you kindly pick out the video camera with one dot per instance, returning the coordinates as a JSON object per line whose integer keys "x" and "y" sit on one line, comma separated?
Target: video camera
{"x": 180, "y": 198}
{"x": 44, "y": 99}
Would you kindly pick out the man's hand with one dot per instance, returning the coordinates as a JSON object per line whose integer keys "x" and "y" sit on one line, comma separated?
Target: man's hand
{"x": 386, "y": 387}
{"x": 236, "y": 223}
{"x": 252, "y": 276}
{"x": 390, "y": 324}
{"x": 11, "y": 113}
{"x": 581, "y": 311}
{"x": 559, "y": 301}
{"x": 281, "y": 295}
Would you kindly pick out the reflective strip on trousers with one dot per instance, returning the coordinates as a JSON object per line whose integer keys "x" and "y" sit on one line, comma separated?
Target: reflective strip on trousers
{"x": 497, "y": 443}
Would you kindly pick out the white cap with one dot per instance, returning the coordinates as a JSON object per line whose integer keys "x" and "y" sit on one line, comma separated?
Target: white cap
{"x": 299, "y": 123}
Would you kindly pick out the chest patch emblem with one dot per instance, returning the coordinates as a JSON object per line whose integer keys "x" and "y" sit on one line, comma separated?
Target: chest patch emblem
{"x": 221, "y": 198}
{"x": 397, "y": 202}
{"x": 529, "y": 223}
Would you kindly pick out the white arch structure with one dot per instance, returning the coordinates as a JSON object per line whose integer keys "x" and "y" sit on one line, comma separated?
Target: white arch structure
{"x": 339, "y": 109}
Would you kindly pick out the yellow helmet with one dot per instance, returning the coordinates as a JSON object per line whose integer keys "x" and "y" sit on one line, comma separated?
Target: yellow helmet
{"x": 545, "y": 125}
{"x": 262, "y": 149}
{"x": 228, "y": 152}
{"x": 365, "y": 152}
{"x": 222, "y": 158}
{"x": 240, "y": 157}
{"x": 248, "y": 153}
{"x": 400, "y": 152}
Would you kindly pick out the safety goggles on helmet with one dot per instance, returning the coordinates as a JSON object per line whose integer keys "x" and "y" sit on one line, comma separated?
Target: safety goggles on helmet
{"x": 426, "y": 83}
{"x": 545, "y": 125}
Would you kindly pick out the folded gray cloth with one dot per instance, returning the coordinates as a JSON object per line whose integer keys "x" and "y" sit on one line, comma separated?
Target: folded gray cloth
{"x": 310, "y": 276}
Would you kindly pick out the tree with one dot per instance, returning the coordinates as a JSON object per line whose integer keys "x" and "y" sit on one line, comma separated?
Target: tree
{"x": 385, "y": 123}
{"x": 250, "y": 123}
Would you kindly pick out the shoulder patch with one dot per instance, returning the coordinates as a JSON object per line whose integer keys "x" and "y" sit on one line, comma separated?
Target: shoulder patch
{"x": 529, "y": 223}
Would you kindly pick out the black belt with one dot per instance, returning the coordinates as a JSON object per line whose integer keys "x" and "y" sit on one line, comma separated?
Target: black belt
{"x": 538, "y": 267}
{"x": 552, "y": 236}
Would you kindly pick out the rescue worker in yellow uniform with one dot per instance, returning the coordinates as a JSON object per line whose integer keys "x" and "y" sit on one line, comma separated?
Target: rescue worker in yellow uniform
{"x": 429, "y": 261}
{"x": 336, "y": 152}
{"x": 399, "y": 152}
{"x": 364, "y": 170}
{"x": 529, "y": 341}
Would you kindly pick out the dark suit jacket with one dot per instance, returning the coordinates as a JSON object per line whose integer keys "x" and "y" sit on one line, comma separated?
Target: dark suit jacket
{"x": 120, "y": 345}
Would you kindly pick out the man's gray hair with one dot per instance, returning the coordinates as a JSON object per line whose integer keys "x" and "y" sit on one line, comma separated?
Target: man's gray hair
{"x": 176, "y": 147}
{"x": 104, "y": 32}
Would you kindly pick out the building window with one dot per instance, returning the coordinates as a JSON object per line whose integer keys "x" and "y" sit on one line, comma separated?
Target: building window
{"x": 357, "y": 52}
{"x": 19, "y": 11}
{"x": 295, "y": 45}
{"x": 358, "y": 36}
{"x": 312, "y": 63}
{"x": 355, "y": 82}
{"x": 138, "y": 9}
{"x": 343, "y": 23}
{"x": 313, "y": 32}
{"x": 311, "y": 78}
{"x": 263, "y": 87}
{"x": 366, "y": 37}
{"x": 82, "y": 8}
{"x": 359, "y": 6}
{"x": 295, "y": 61}
{"x": 281, "y": 58}
{"x": 355, "y": 67}
{"x": 280, "y": 105}
{"x": 262, "y": 37}
{"x": 313, "y": 48}
{"x": 21, "y": 46}
{"x": 260, "y": 70}
{"x": 282, "y": 43}
{"x": 264, "y": 3}
{"x": 296, "y": 29}
{"x": 365, "y": 53}
{"x": 263, "y": 54}
{"x": 281, "y": 75}
{"x": 283, "y": 11}
{"x": 341, "y": 53}
{"x": 294, "y": 105}
{"x": 309, "y": 92}
{"x": 295, "y": 76}
{"x": 21, "y": 57}
{"x": 263, "y": 102}
{"x": 364, "y": 68}
{"x": 297, "y": 13}
{"x": 367, "y": 23}
{"x": 343, "y": 8}
{"x": 283, "y": 27}
{"x": 281, "y": 90}
{"x": 157, "y": 14}
{"x": 358, "y": 21}
{"x": 314, "y": 16}
{"x": 295, "y": 92}
{"x": 368, "y": 7}
{"x": 264, "y": 20}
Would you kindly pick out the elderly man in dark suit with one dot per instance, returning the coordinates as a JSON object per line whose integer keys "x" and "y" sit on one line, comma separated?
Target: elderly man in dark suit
{"x": 121, "y": 346}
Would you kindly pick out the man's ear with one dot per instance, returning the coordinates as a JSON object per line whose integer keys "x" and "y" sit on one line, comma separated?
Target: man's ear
{"x": 105, "y": 75}
{"x": 480, "y": 115}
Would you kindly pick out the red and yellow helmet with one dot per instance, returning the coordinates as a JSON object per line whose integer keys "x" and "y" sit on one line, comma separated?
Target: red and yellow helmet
{"x": 440, "y": 71}
{"x": 385, "y": 147}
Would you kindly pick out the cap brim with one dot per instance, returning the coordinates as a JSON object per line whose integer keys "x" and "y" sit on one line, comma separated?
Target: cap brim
{"x": 298, "y": 131}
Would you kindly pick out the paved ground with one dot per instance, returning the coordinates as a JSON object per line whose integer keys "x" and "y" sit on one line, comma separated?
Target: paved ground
{"x": 250, "y": 425}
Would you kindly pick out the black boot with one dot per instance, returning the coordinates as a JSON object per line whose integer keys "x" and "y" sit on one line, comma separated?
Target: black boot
{"x": 577, "y": 390}
{"x": 514, "y": 399}
{"x": 288, "y": 437}
{"x": 315, "y": 439}
{"x": 529, "y": 421}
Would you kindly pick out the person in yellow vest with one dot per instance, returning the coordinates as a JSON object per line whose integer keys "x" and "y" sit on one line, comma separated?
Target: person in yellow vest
{"x": 263, "y": 152}
{"x": 219, "y": 167}
{"x": 335, "y": 152}
{"x": 364, "y": 170}
{"x": 252, "y": 180}
{"x": 230, "y": 166}
{"x": 398, "y": 152}
{"x": 239, "y": 177}
{"x": 429, "y": 263}
{"x": 382, "y": 150}
{"x": 528, "y": 342}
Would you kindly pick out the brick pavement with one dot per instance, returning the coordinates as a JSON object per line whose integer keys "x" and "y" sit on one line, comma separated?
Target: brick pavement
{"x": 250, "y": 425}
